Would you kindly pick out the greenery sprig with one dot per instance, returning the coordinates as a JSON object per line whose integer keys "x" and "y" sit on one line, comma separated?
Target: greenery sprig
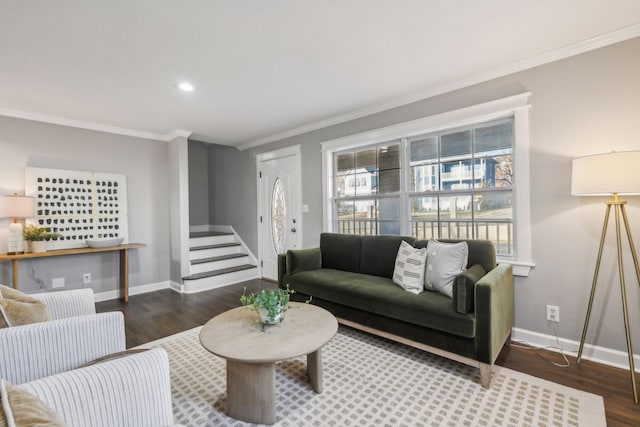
{"x": 274, "y": 301}
{"x": 33, "y": 233}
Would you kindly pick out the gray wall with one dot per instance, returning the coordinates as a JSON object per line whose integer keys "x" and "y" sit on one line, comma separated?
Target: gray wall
{"x": 586, "y": 104}
{"x": 233, "y": 197}
{"x": 27, "y": 143}
{"x": 198, "y": 183}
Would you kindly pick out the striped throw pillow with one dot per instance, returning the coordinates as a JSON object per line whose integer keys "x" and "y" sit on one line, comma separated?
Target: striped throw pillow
{"x": 409, "y": 269}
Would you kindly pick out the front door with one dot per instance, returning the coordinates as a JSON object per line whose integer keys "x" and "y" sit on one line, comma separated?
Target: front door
{"x": 279, "y": 207}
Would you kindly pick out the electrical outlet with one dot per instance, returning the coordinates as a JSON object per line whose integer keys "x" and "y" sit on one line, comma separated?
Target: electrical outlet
{"x": 57, "y": 282}
{"x": 553, "y": 313}
{"x": 86, "y": 278}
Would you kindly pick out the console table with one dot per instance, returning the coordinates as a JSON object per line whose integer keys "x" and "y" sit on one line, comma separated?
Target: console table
{"x": 124, "y": 261}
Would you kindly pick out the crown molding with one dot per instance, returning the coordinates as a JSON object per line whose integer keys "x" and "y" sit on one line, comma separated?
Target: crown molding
{"x": 584, "y": 46}
{"x": 176, "y": 133}
{"x": 100, "y": 127}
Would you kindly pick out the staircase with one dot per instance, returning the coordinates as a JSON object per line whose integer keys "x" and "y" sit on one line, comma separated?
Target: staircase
{"x": 217, "y": 258}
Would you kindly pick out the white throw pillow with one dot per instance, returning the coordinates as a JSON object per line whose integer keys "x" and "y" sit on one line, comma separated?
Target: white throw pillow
{"x": 444, "y": 262}
{"x": 409, "y": 269}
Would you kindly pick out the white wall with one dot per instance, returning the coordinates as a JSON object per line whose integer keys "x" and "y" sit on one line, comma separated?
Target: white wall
{"x": 198, "y": 184}
{"x": 233, "y": 195}
{"x": 27, "y": 143}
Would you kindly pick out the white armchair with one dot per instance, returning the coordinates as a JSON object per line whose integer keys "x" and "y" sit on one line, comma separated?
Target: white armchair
{"x": 75, "y": 336}
{"x": 63, "y": 304}
{"x": 132, "y": 391}
{"x": 43, "y": 358}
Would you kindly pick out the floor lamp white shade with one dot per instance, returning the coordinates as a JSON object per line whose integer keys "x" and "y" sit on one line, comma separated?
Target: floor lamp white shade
{"x": 17, "y": 207}
{"x": 606, "y": 174}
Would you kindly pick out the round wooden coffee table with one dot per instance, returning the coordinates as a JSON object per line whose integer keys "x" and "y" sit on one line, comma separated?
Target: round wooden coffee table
{"x": 251, "y": 351}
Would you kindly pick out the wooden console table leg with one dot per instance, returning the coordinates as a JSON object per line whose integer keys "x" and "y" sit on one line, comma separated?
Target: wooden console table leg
{"x": 14, "y": 263}
{"x": 124, "y": 275}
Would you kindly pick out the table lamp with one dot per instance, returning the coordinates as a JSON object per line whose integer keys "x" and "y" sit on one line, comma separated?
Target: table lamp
{"x": 612, "y": 174}
{"x": 17, "y": 207}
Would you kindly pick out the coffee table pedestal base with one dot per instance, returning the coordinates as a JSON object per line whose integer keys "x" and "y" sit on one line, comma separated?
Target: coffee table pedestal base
{"x": 251, "y": 388}
{"x": 251, "y": 392}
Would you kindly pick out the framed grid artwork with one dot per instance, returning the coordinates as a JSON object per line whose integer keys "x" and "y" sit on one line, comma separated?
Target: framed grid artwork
{"x": 78, "y": 205}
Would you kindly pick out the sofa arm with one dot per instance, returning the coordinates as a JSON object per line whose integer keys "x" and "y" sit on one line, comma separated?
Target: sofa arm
{"x": 29, "y": 352}
{"x": 298, "y": 260}
{"x": 494, "y": 311}
{"x": 77, "y": 302}
{"x": 130, "y": 391}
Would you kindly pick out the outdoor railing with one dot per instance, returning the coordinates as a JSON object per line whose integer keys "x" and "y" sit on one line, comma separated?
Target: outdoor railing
{"x": 500, "y": 232}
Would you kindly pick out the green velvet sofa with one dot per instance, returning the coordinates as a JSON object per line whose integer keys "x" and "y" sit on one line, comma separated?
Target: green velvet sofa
{"x": 351, "y": 277}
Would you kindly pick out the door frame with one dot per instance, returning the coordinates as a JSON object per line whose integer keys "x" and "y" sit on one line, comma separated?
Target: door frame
{"x": 296, "y": 211}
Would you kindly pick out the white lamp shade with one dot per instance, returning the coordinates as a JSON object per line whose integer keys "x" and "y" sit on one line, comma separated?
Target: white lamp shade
{"x": 17, "y": 207}
{"x": 606, "y": 174}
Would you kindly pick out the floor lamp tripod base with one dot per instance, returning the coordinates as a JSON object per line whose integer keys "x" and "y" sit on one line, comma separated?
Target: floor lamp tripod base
{"x": 619, "y": 206}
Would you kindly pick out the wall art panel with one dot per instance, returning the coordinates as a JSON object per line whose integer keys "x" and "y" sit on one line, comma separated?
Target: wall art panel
{"x": 78, "y": 205}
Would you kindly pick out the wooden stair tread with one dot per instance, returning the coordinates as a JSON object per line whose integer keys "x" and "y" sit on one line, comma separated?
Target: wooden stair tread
{"x": 219, "y": 245}
{"x": 217, "y": 258}
{"x": 219, "y": 272}
{"x": 209, "y": 233}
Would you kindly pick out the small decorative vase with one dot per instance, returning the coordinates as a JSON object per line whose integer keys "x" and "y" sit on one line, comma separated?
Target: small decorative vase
{"x": 39, "y": 246}
{"x": 268, "y": 320}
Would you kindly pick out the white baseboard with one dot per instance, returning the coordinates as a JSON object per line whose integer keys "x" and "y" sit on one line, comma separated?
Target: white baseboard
{"x": 177, "y": 287}
{"x": 594, "y": 353}
{"x": 134, "y": 290}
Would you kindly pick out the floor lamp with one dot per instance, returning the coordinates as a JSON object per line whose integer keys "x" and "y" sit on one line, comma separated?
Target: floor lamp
{"x": 612, "y": 174}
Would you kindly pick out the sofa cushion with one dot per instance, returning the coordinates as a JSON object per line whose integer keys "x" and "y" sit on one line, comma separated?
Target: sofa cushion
{"x": 444, "y": 262}
{"x": 340, "y": 251}
{"x": 409, "y": 270}
{"x": 303, "y": 259}
{"x": 481, "y": 252}
{"x": 17, "y": 308}
{"x": 378, "y": 254}
{"x": 464, "y": 288}
{"x": 380, "y": 296}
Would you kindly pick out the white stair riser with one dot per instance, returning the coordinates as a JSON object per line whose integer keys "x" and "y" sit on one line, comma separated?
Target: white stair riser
{"x": 211, "y": 240}
{"x": 204, "y": 284}
{"x": 207, "y": 253}
{"x": 217, "y": 265}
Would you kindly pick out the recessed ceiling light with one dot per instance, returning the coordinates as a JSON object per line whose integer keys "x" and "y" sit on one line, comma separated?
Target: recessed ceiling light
{"x": 186, "y": 86}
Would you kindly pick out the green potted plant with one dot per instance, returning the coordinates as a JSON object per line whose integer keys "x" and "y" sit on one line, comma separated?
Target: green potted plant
{"x": 38, "y": 237}
{"x": 269, "y": 304}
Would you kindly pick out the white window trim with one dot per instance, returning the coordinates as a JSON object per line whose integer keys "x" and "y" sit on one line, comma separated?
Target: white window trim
{"x": 517, "y": 106}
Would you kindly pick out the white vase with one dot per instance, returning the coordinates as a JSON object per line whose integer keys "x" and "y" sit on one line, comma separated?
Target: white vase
{"x": 264, "y": 317}
{"x": 39, "y": 247}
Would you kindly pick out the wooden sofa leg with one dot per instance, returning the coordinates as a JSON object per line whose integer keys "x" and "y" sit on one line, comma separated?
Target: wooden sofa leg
{"x": 485, "y": 375}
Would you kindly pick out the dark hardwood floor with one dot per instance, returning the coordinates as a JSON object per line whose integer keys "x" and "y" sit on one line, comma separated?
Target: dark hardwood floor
{"x": 158, "y": 314}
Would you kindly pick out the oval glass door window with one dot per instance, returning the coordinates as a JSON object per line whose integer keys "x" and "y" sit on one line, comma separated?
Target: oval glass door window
{"x": 278, "y": 216}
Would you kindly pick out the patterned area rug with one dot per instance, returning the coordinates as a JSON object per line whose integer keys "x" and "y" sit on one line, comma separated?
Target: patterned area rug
{"x": 369, "y": 381}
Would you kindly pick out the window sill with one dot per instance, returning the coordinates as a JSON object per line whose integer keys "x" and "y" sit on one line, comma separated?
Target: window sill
{"x": 520, "y": 268}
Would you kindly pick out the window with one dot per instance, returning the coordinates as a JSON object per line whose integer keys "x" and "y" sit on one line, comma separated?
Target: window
{"x": 372, "y": 206}
{"x": 460, "y": 174}
{"x": 461, "y": 184}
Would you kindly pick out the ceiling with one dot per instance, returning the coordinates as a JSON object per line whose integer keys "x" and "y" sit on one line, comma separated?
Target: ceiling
{"x": 265, "y": 69}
